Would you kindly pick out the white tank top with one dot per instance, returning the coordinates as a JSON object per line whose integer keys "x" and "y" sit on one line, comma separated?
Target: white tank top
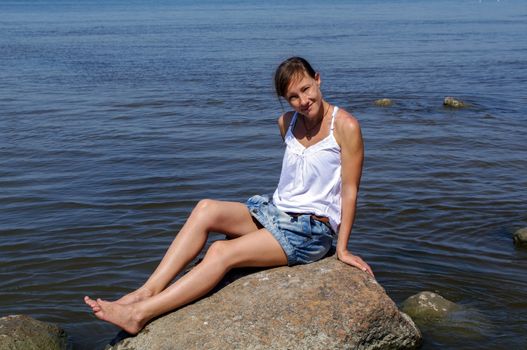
{"x": 310, "y": 181}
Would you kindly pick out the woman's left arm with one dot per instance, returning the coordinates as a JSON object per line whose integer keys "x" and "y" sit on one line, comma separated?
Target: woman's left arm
{"x": 352, "y": 156}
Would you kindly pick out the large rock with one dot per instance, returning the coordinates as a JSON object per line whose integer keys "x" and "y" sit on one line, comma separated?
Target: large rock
{"x": 21, "y": 332}
{"x": 520, "y": 237}
{"x": 324, "y": 305}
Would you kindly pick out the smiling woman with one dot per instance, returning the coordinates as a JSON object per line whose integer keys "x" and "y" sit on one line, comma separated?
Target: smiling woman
{"x": 315, "y": 199}
{"x": 323, "y": 160}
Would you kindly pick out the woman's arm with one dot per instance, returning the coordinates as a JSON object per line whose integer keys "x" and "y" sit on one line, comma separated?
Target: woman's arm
{"x": 349, "y": 137}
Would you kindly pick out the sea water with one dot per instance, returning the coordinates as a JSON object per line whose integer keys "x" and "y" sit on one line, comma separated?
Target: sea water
{"x": 116, "y": 117}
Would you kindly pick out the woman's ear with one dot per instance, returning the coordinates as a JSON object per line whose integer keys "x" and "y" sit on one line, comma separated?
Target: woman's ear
{"x": 317, "y": 78}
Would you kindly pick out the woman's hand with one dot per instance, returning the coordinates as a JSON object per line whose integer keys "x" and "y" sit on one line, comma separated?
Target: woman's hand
{"x": 355, "y": 261}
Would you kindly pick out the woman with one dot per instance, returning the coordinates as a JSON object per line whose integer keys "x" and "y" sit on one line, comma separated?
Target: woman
{"x": 315, "y": 199}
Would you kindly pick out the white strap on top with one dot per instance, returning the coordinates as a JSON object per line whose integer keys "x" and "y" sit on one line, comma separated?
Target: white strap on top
{"x": 293, "y": 121}
{"x": 335, "y": 110}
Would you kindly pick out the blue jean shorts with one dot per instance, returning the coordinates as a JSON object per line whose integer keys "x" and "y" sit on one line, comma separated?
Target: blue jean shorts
{"x": 303, "y": 239}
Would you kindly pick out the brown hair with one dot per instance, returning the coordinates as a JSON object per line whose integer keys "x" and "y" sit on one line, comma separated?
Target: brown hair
{"x": 288, "y": 70}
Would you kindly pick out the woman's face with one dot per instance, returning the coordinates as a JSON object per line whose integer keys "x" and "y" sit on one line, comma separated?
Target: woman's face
{"x": 304, "y": 95}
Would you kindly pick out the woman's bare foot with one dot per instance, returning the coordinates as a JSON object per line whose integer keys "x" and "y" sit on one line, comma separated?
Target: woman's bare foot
{"x": 123, "y": 316}
{"x": 136, "y": 296}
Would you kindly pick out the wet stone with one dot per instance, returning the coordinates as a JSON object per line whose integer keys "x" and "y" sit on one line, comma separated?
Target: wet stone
{"x": 21, "y": 332}
{"x": 426, "y": 306}
{"x": 450, "y": 101}
{"x": 520, "y": 237}
{"x": 383, "y": 102}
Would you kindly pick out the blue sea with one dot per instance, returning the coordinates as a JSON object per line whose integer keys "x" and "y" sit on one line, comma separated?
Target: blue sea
{"x": 116, "y": 117}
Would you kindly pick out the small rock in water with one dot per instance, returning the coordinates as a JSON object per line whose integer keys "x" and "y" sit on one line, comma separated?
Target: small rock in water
{"x": 383, "y": 102}
{"x": 439, "y": 317}
{"x": 21, "y": 332}
{"x": 428, "y": 306}
{"x": 520, "y": 237}
{"x": 453, "y": 102}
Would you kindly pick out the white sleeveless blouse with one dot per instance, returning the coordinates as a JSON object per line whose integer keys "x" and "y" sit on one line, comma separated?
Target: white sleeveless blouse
{"x": 310, "y": 181}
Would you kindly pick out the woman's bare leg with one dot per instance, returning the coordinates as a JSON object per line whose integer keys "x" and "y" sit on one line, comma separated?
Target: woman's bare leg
{"x": 258, "y": 248}
{"x": 230, "y": 218}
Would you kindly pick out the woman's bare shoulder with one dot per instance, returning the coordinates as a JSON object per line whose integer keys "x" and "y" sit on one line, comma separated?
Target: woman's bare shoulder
{"x": 347, "y": 127}
{"x": 346, "y": 122}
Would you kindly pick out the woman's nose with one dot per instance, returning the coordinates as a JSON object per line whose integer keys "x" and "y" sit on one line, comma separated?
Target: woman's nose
{"x": 303, "y": 99}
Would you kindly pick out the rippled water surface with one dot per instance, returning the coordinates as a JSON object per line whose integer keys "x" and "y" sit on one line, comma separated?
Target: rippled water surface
{"x": 117, "y": 117}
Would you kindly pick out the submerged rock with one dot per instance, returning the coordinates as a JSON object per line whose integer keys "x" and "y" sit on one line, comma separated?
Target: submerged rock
{"x": 438, "y": 317}
{"x": 427, "y": 306}
{"x": 383, "y": 102}
{"x": 324, "y": 305}
{"x": 453, "y": 102}
{"x": 520, "y": 237}
{"x": 21, "y": 332}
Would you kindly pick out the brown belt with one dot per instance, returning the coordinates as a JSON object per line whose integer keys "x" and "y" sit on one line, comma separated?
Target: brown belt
{"x": 323, "y": 219}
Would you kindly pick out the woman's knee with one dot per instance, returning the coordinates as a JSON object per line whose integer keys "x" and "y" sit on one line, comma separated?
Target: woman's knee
{"x": 205, "y": 209}
{"x": 205, "y": 204}
{"x": 219, "y": 253}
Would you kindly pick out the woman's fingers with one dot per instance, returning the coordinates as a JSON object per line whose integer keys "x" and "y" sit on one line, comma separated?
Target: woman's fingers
{"x": 357, "y": 262}
{"x": 361, "y": 264}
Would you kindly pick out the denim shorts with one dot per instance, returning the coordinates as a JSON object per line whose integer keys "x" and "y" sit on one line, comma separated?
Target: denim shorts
{"x": 303, "y": 239}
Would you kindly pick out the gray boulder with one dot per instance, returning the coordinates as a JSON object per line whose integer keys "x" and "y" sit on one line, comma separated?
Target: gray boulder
{"x": 324, "y": 305}
{"x": 21, "y": 332}
{"x": 438, "y": 317}
{"x": 428, "y": 306}
{"x": 520, "y": 237}
{"x": 450, "y": 101}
